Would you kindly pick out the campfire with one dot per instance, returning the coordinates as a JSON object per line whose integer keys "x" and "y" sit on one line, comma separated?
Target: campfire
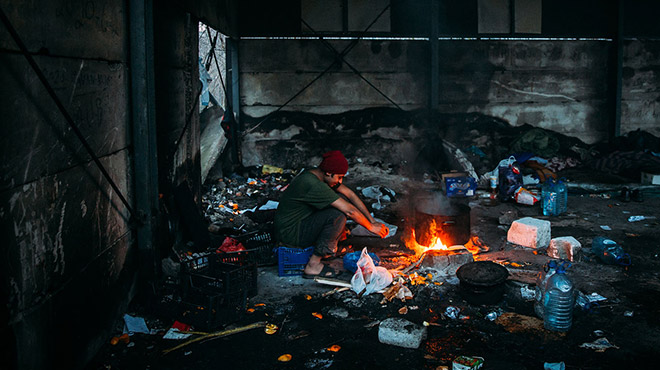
{"x": 440, "y": 236}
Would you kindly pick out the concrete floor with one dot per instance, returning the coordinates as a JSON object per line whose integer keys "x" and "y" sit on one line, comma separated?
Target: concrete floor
{"x": 629, "y": 318}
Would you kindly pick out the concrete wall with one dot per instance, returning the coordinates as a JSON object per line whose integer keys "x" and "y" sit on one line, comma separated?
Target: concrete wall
{"x": 273, "y": 71}
{"x": 177, "y": 89}
{"x": 558, "y": 85}
{"x": 640, "y": 101}
{"x": 561, "y": 85}
{"x": 67, "y": 249}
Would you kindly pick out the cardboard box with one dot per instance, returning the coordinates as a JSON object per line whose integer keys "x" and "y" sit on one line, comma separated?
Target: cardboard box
{"x": 463, "y": 186}
{"x": 650, "y": 178}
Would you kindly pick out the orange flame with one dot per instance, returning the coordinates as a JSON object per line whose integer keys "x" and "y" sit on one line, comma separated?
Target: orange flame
{"x": 411, "y": 243}
{"x": 474, "y": 245}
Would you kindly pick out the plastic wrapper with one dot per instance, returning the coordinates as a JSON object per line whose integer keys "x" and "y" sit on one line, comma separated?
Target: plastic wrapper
{"x": 524, "y": 196}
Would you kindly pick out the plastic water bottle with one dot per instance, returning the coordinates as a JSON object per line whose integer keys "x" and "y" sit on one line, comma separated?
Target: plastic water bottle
{"x": 558, "y": 302}
{"x": 549, "y": 198}
{"x": 541, "y": 280}
{"x": 562, "y": 196}
{"x": 610, "y": 252}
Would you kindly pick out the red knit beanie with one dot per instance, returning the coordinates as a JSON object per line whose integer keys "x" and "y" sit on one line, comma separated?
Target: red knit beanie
{"x": 334, "y": 162}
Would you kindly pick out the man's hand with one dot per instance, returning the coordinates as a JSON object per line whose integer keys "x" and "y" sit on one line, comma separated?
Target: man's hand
{"x": 379, "y": 229}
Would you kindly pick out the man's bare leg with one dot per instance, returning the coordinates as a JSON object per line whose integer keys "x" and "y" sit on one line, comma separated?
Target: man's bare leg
{"x": 314, "y": 266}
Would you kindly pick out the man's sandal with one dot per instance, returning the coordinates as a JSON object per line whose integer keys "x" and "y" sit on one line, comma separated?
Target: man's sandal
{"x": 327, "y": 271}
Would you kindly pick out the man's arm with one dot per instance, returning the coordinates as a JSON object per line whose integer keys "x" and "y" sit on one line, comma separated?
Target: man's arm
{"x": 355, "y": 214}
{"x": 355, "y": 200}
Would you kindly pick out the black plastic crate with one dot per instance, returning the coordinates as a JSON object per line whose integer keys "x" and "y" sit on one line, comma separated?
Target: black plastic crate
{"x": 260, "y": 249}
{"x": 207, "y": 310}
{"x": 210, "y": 272}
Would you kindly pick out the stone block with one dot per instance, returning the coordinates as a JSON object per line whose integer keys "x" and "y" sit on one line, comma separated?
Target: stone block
{"x": 530, "y": 232}
{"x": 565, "y": 247}
{"x": 446, "y": 262}
{"x": 401, "y": 332}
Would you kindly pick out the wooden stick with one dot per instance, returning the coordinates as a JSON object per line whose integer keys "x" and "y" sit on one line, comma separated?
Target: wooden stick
{"x": 219, "y": 334}
{"x": 336, "y": 282}
{"x": 414, "y": 265}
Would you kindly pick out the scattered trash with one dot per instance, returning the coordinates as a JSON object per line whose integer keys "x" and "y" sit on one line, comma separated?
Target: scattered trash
{"x": 452, "y": 312}
{"x": 230, "y": 245}
{"x": 178, "y": 331}
{"x": 268, "y": 169}
{"x": 135, "y": 325}
{"x": 628, "y": 313}
{"x": 491, "y": 316}
{"x": 350, "y": 260}
{"x": 605, "y": 227}
{"x": 527, "y": 293}
{"x": 599, "y": 345}
{"x": 334, "y": 348}
{"x": 640, "y": 218}
{"x": 610, "y": 252}
{"x": 369, "y": 278}
{"x": 317, "y": 315}
{"x": 219, "y": 334}
{"x": 526, "y": 197}
{"x": 285, "y": 358}
{"x": 270, "y": 329}
{"x": 554, "y": 366}
{"x": 124, "y": 338}
{"x": 467, "y": 363}
{"x": 403, "y": 310}
{"x": 401, "y": 332}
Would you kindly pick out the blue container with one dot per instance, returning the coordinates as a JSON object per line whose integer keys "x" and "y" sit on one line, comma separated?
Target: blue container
{"x": 610, "y": 252}
{"x": 292, "y": 261}
{"x": 350, "y": 260}
{"x": 542, "y": 278}
{"x": 554, "y": 197}
{"x": 558, "y": 302}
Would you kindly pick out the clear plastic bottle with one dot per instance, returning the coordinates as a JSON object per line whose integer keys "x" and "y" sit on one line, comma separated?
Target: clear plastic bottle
{"x": 541, "y": 280}
{"x": 549, "y": 198}
{"x": 610, "y": 252}
{"x": 558, "y": 302}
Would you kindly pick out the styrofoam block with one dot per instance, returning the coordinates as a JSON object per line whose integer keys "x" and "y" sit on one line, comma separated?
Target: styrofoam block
{"x": 400, "y": 332}
{"x": 564, "y": 247}
{"x": 530, "y": 232}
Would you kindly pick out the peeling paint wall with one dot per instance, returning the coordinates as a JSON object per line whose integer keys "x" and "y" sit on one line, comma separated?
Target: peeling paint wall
{"x": 559, "y": 85}
{"x": 640, "y": 102}
{"x": 68, "y": 262}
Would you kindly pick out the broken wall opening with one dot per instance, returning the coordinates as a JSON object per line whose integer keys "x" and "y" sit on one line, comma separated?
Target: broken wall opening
{"x": 213, "y": 101}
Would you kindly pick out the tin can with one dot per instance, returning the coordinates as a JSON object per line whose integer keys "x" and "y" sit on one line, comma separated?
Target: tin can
{"x": 467, "y": 363}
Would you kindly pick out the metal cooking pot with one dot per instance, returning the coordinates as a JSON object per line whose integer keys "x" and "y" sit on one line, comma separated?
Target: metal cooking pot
{"x": 482, "y": 282}
{"x": 451, "y": 220}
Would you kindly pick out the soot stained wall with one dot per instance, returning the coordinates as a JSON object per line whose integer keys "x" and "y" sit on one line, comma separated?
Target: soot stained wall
{"x": 68, "y": 262}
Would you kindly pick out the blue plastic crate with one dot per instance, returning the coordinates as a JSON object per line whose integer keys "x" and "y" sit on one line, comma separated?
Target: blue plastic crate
{"x": 292, "y": 261}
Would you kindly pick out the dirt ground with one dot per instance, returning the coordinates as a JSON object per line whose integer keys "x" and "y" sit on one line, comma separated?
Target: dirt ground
{"x": 629, "y": 318}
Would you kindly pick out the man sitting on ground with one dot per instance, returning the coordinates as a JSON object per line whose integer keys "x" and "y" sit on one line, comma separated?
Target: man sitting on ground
{"x": 313, "y": 209}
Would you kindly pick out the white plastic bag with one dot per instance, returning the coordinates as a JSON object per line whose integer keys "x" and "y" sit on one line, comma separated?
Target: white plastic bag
{"x": 369, "y": 278}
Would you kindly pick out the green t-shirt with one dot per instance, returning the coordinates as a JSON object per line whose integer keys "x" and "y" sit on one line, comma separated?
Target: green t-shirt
{"x": 305, "y": 195}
